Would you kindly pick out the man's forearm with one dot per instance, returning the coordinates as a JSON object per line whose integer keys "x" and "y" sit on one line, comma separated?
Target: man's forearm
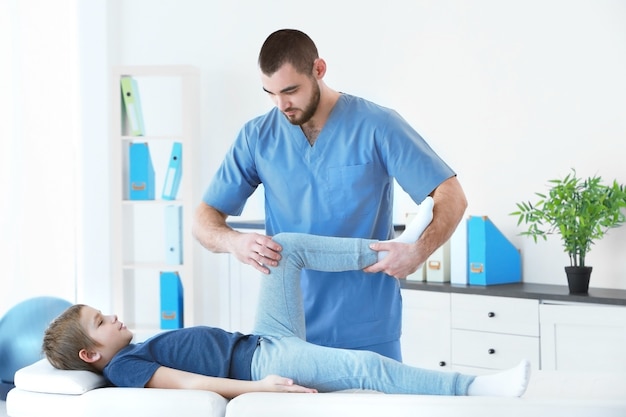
{"x": 210, "y": 229}
{"x": 449, "y": 206}
{"x": 256, "y": 250}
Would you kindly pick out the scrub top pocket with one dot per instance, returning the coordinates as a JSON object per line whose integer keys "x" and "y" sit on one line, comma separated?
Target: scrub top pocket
{"x": 356, "y": 190}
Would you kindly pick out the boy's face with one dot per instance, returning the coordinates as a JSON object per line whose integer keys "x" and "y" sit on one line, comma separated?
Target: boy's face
{"x": 108, "y": 331}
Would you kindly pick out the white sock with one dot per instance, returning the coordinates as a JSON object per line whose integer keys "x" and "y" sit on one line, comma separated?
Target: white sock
{"x": 509, "y": 383}
{"x": 414, "y": 230}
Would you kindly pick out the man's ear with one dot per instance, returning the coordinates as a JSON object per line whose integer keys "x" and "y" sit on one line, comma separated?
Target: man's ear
{"x": 319, "y": 68}
{"x": 89, "y": 356}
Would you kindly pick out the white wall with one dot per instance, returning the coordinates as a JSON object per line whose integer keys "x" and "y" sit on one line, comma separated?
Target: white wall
{"x": 39, "y": 150}
{"x": 511, "y": 94}
{"x": 93, "y": 252}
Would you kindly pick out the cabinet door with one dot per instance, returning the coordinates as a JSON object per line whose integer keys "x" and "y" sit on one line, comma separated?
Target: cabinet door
{"x": 426, "y": 329}
{"x": 583, "y": 337}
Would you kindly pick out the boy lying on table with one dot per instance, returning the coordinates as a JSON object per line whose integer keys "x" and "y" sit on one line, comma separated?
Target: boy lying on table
{"x": 276, "y": 356}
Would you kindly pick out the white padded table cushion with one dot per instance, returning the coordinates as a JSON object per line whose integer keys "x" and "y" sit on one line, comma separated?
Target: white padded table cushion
{"x": 43, "y": 377}
{"x": 376, "y": 405}
{"x": 42, "y": 390}
{"x": 117, "y": 402}
{"x": 554, "y": 394}
{"x": 550, "y": 393}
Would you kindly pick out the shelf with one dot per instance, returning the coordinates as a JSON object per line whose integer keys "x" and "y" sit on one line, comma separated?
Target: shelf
{"x": 158, "y": 202}
{"x": 173, "y": 138}
{"x": 157, "y": 266}
{"x": 181, "y": 71}
{"x": 170, "y": 101}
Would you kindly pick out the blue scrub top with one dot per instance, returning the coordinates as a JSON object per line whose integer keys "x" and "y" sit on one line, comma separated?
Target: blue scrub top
{"x": 340, "y": 186}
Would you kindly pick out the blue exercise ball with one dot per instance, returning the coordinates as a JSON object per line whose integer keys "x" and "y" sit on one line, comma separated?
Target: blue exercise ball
{"x": 21, "y": 333}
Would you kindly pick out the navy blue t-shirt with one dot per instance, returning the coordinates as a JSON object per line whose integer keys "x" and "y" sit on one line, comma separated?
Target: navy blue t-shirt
{"x": 202, "y": 350}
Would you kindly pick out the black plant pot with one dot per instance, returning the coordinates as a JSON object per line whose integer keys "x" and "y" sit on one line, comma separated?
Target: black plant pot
{"x": 578, "y": 278}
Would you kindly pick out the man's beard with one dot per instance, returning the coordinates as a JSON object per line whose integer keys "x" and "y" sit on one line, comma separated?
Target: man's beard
{"x": 309, "y": 110}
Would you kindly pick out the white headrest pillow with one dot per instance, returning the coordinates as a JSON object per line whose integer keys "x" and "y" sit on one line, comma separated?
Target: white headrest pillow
{"x": 43, "y": 377}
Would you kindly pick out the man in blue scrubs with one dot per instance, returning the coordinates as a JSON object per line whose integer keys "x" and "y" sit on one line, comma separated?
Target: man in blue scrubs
{"x": 327, "y": 161}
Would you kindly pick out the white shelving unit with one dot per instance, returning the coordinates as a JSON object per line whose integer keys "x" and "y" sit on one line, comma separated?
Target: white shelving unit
{"x": 170, "y": 99}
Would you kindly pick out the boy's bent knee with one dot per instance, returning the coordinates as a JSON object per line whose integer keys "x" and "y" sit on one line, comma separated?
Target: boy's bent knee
{"x": 286, "y": 240}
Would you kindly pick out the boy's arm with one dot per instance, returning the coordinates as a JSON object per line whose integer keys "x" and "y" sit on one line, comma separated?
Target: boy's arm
{"x": 229, "y": 388}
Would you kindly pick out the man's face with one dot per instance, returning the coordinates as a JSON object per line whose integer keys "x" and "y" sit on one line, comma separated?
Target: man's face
{"x": 296, "y": 95}
{"x": 108, "y": 331}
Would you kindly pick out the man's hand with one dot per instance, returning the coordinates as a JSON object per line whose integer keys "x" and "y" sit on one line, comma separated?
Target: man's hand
{"x": 275, "y": 383}
{"x": 402, "y": 260}
{"x": 211, "y": 230}
{"x": 256, "y": 250}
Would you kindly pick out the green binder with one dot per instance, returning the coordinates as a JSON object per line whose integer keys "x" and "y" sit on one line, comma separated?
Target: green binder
{"x": 132, "y": 106}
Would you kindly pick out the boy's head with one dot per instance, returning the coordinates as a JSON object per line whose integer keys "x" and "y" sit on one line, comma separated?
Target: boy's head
{"x": 82, "y": 338}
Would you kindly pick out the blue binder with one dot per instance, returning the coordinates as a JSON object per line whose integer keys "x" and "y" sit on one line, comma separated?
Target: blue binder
{"x": 172, "y": 301}
{"x": 492, "y": 259}
{"x": 141, "y": 172}
{"x": 174, "y": 172}
{"x": 173, "y": 235}
{"x": 132, "y": 105}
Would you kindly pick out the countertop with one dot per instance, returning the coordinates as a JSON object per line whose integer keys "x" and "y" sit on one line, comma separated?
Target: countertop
{"x": 544, "y": 292}
{"x": 247, "y": 224}
{"x": 260, "y": 225}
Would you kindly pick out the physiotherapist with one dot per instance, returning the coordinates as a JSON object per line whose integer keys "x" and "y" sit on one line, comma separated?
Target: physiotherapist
{"x": 327, "y": 161}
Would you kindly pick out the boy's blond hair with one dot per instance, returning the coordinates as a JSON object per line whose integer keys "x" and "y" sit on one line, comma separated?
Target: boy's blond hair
{"x": 64, "y": 338}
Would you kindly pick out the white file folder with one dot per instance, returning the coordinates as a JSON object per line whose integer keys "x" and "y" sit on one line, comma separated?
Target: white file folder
{"x": 438, "y": 264}
{"x": 174, "y": 172}
{"x": 173, "y": 235}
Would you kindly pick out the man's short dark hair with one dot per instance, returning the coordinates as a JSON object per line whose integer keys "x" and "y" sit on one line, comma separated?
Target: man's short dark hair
{"x": 288, "y": 46}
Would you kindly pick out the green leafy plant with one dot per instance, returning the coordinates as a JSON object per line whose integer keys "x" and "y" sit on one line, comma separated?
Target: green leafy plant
{"x": 580, "y": 210}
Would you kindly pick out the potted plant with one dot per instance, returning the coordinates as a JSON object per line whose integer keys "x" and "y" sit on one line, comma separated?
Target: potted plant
{"x": 581, "y": 211}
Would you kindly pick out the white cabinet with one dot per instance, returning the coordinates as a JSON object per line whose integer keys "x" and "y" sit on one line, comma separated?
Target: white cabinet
{"x": 241, "y": 291}
{"x": 426, "y": 329}
{"x": 478, "y": 334}
{"x": 469, "y": 333}
{"x": 583, "y": 337}
{"x": 170, "y": 98}
{"x": 489, "y": 333}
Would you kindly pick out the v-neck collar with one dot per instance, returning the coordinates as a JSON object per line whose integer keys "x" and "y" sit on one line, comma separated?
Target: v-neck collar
{"x": 300, "y": 141}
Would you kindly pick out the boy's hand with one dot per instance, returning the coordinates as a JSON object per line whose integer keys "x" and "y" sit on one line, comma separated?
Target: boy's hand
{"x": 275, "y": 383}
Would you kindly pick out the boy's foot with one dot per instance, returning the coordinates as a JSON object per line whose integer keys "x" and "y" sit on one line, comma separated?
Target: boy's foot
{"x": 510, "y": 383}
{"x": 414, "y": 230}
